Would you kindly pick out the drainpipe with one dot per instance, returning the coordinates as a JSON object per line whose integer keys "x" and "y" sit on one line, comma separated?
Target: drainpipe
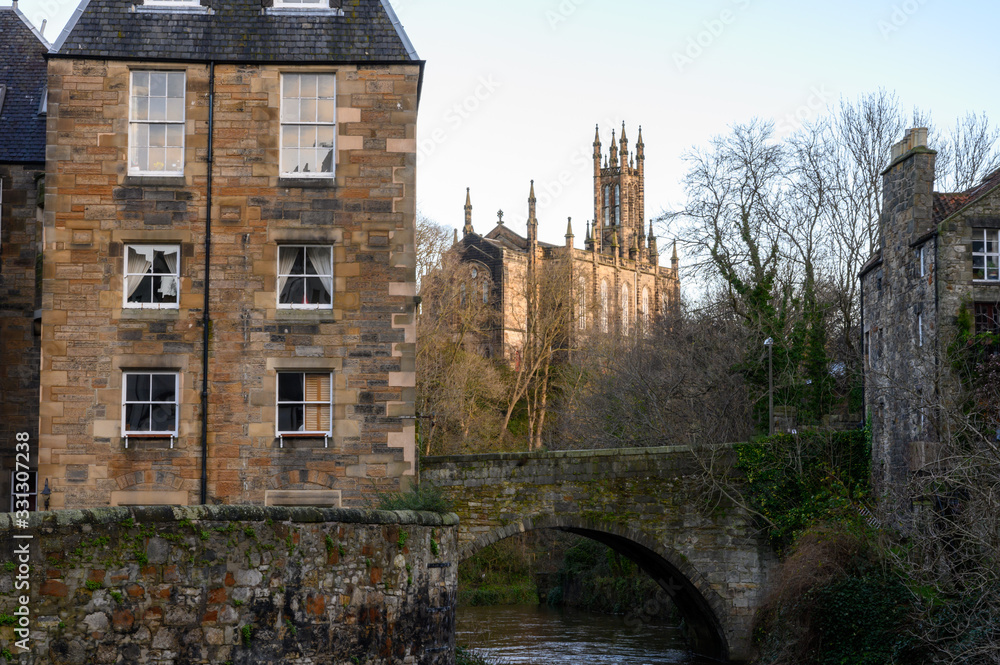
{"x": 206, "y": 321}
{"x": 864, "y": 359}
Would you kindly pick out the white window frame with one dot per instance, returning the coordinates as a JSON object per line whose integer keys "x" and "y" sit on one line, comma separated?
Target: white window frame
{"x": 300, "y": 4}
{"x": 287, "y": 123}
{"x": 920, "y": 258}
{"x": 171, "y": 433}
{"x": 176, "y": 275}
{"x": 986, "y": 236}
{"x": 172, "y": 3}
{"x": 281, "y": 434}
{"x": 305, "y": 257}
{"x": 135, "y": 124}
{"x": 920, "y": 329}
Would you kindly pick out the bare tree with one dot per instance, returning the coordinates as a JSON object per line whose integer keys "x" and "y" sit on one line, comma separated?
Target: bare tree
{"x": 675, "y": 386}
{"x": 459, "y": 391}
{"x": 545, "y": 320}
{"x": 432, "y": 241}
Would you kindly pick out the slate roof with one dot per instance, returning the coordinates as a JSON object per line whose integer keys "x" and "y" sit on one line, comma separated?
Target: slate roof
{"x": 945, "y": 205}
{"x": 22, "y": 71}
{"x": 237, "y": 31}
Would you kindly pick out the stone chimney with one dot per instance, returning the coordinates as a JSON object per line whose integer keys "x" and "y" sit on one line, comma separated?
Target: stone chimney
{"x": 908, "y": 191}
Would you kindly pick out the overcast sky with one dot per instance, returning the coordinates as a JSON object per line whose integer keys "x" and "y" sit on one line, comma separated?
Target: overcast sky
{"x": 513, "y": 89}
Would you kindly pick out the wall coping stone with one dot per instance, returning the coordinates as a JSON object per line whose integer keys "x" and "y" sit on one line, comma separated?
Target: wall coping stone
{"x": 561, "y": 454}
{"x": 227, "y": 513}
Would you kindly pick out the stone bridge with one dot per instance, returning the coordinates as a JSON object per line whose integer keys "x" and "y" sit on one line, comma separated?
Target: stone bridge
{"x": 648, "y": 504}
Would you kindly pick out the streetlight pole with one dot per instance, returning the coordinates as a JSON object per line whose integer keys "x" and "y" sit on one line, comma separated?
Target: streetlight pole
{"x": 769, "y": 343}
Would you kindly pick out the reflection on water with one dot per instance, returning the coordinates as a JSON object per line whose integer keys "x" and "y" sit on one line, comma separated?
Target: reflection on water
{"x": 539, "y": 635}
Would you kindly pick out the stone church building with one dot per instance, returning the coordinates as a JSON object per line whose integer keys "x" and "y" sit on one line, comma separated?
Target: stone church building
{"x": 617, "y": 282}
{"x": 940, "y": 254}
{"x": 227, "y": 281}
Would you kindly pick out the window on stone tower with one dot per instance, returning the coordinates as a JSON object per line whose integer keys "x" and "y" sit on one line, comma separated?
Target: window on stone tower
{"x": 625, "y": 309}
{"x": 308, "y": 125}
{"x": 607, "y": 205}
{"x": 645, "y": 311}
{"x": 618, "y": 205}
{"x": 581, "y": 304}
{"x": 156, "y": 123}
{"x": 986, "y": 254}
{"x": 604, "y": 305}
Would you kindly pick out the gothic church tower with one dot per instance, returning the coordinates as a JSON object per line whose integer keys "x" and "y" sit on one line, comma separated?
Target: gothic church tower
{"x": 619, "y": 195}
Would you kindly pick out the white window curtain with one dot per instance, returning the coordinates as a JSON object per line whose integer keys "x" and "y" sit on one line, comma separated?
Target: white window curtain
{"x": 168, "y": 285}
{"x": 139, "y": 263}
{"x": 286, "y": 259}
{"x": 321, "y": 259}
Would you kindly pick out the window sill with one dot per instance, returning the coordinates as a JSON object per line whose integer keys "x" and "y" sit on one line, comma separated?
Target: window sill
{"x": 303, "y": 11}
{"x": 165, "y": 314}
{"x": 173, "y": 9}
{"x": 150, "y": 441}
{"x": 155, "y": 180}
{"x": 306, "y": 441}
{"x": 307, "y": 183}
{"x": 311, "y": 315}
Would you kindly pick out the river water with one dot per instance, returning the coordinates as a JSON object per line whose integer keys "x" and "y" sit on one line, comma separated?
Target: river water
{"x": 540, "y": 635}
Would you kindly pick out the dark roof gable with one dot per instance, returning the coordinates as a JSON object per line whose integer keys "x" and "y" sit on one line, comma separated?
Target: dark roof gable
{"x": 22, "y": 72}
{"x": 237, "y": 31}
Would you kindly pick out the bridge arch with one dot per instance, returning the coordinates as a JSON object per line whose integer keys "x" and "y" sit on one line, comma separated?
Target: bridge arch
{"x": 704, "y": 610}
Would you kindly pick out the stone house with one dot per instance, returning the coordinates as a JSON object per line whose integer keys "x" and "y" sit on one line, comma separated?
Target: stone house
{"x": 617, "y": 283}
{"x": 940, "y": 254}
{"x": 228, "y": 284}
{"x": 22, "y": 167}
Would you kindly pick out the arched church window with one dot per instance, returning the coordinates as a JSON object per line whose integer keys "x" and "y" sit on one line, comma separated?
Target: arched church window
{"x": 607, "y": 204}
{"x": 604, "y": 305}
{"x": 625, "y": 309}
{"x": 581, "y": 304}
{"x": 645, "y": 311}
{"x": 618, "y": 205}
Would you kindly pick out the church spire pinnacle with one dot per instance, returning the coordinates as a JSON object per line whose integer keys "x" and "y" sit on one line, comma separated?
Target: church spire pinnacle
{"x": 467, "y": 230}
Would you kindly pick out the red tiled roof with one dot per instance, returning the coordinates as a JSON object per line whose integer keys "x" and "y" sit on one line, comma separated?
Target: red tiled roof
{"x": 946, "y": 205}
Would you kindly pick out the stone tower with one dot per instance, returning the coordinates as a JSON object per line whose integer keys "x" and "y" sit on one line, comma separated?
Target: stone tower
{"x": 619, "y": 195}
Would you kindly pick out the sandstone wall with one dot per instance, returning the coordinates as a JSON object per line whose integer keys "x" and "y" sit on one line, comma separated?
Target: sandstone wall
{"x": 367, "y": 339}
{"x": 232, "y": 584}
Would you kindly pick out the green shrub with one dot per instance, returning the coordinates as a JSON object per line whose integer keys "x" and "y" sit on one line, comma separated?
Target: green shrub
{"x": 428, "y": 499}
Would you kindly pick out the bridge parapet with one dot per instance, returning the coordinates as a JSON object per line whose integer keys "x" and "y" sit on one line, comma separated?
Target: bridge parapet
{"x": 647, "y": 503}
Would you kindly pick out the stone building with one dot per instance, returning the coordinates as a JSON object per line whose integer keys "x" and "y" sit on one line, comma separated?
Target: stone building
{"x": 228, "y": 284}
{"x": 617, "y": 283}
{"x": 22, "y": 167}
{"x": 940, "y": 253}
